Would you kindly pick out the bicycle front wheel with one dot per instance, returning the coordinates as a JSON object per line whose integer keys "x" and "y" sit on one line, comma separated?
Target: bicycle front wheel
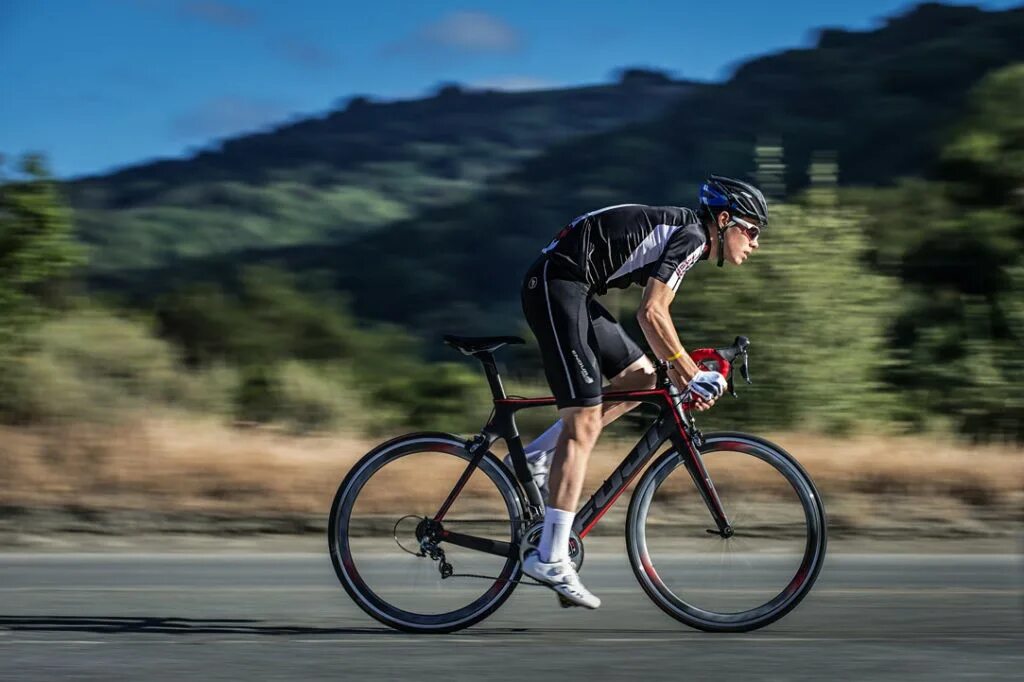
{"x": 377, "y": 522}
{"x": 737, "y": 583}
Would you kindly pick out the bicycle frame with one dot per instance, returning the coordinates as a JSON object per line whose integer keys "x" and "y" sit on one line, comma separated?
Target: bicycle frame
{"x": 673, "y": 424}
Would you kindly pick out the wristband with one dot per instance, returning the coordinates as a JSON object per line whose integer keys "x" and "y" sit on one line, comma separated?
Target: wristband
{"x": 674, "y": 357}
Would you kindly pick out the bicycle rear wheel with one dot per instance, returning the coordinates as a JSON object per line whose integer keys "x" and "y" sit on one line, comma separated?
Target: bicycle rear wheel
{"x": 737, "y": 583}
{"x": 381, "y": 506}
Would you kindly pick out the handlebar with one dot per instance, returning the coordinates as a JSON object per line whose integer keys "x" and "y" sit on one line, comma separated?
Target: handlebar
{"x": 719, "y": 360}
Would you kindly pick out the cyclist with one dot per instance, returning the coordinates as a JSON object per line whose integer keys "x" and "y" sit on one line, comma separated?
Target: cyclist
{"x": 580, "y": 341}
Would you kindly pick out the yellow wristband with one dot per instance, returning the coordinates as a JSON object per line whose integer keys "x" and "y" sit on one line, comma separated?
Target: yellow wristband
{"x": 674, "y": 357}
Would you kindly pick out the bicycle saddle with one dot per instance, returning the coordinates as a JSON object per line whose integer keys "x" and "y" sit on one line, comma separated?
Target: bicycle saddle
{"x": 470, "y": 345}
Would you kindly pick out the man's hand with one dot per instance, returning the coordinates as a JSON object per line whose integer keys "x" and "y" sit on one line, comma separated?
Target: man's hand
{"x": 680, "y": 381}
{"x": 705, "y": 388}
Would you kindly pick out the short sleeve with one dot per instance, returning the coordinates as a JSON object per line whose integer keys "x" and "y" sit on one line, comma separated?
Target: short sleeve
{"x": 682, "y": 252}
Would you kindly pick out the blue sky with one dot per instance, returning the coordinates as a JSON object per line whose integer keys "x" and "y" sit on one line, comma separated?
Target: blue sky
{"x": 98, "y": 84}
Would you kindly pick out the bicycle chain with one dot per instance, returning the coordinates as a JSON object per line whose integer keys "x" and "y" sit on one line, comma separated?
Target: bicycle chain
{"x": 448, "y": 571}
{"x": 495, "y": 578}
{"x": 431, "y": 550}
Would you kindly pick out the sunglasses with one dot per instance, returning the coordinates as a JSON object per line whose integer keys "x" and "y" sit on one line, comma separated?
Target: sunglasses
{"x": 750, "y": 229}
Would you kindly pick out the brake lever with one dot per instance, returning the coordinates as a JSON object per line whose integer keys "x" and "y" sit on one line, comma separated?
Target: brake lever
{"x": 744, "y": 369}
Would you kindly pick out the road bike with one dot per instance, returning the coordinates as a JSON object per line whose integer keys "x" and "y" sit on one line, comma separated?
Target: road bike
{"x": 725, "y": 532}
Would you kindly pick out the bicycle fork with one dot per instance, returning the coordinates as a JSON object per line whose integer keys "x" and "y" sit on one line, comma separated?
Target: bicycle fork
{"x": 688, "y": 450}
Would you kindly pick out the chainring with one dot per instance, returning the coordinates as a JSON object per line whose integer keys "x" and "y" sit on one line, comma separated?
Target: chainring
{"x": 531, "y": 539}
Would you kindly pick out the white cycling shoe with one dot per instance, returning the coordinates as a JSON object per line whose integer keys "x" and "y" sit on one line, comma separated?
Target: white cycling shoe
{"x": 540, "y": 467}
{"x": 561, "y": 577}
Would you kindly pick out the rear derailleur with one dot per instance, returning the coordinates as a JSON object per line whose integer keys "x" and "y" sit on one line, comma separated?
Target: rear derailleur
{"x": 429, "y": 534}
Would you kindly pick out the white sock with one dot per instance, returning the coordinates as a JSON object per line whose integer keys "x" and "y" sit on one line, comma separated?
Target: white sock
{"x": 544, "y": 442}
{"x": 554, "y": 540}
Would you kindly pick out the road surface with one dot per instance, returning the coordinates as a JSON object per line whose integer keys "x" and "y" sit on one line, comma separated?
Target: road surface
{"x": 260, "y": 616}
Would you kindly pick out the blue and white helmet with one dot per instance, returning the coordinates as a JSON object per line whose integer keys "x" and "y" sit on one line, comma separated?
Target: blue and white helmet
{"x": 719, "y": 193}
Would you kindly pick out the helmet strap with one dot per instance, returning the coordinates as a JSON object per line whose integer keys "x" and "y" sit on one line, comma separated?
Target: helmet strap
{"x": 721, "y": 242}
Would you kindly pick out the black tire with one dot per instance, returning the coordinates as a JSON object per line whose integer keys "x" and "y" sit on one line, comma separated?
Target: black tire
{"x": 795, "y": 572}
{"x": 342, "y": 528}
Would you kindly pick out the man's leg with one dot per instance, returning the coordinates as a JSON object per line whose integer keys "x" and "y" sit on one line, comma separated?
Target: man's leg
{"x": 638, "y": 376}
{"x": 582, "y": 427}
{"x": 551, "y": 563}
{"x": 624, "y": 365}
{"x": 556, "y": 307}
{"x": 568, "y": 471}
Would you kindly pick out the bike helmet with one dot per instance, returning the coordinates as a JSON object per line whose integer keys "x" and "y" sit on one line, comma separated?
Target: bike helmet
{"x": 719, "y": 193}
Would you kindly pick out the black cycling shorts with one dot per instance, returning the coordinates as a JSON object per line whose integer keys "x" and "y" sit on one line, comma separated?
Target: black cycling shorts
{"x": 580, "y": 341}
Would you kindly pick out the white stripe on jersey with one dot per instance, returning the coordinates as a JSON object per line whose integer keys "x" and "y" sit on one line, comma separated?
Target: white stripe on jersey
{"x": 648, "y": 251}
{"x": 677, "y": 276}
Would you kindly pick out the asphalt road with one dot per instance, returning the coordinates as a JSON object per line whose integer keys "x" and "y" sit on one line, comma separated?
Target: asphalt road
{"x": 284, "y": 617}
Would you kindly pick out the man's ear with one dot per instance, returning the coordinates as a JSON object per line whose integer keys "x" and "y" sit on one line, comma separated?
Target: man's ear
{"x": 723, "y": 218}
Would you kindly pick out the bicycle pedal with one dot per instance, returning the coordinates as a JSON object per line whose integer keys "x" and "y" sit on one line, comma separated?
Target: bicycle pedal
{"x": 566, "y": 603}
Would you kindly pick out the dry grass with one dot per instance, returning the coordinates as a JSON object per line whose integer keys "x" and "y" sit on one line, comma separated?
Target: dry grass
{"x": 172, "y": 464}
{"x": 909, "y": 466}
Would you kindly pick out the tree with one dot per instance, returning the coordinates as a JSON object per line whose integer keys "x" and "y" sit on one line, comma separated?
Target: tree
{"x": 36, "y": 248}
{"x": 959, "y": 334}
{"x": 985, "y": 161}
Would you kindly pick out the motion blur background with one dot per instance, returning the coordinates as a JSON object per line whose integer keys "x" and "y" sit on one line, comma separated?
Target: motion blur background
{"x": 232, "y": 233}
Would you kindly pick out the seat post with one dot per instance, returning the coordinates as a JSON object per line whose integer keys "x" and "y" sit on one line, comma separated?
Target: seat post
{"x": 493, "y": 378}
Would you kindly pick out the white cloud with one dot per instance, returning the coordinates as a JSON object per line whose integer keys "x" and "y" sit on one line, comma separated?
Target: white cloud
{"x": 467, "y": 32}
{"x": 513, "y": 83}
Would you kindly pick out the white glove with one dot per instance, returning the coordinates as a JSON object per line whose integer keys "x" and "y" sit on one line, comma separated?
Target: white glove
{"x": 707, "y": 385}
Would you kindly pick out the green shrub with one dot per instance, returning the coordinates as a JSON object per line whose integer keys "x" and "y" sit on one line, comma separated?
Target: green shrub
{"x": 315, "y": 399}
{"x": 92, "y": 365}
{"x": 441, "y": 396}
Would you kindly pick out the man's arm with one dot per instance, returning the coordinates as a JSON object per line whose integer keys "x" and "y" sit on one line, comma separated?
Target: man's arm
{"x": 656, "y": 322}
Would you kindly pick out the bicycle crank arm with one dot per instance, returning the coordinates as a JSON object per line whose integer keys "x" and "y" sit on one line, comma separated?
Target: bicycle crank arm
{"x": 486, "y": 545}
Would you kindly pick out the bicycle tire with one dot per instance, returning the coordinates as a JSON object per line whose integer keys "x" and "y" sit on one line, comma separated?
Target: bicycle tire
{"x": 340, "y": 539}
{"x": 665, "y": 596}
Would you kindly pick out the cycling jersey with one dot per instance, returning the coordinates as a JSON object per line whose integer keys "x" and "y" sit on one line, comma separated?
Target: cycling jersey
{"x": 617, "y": 246}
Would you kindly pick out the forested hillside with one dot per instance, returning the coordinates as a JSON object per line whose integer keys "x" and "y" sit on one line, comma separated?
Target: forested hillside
{"x": 332, "y": 177}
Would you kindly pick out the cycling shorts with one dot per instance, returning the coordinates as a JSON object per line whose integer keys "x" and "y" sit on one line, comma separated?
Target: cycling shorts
{"x": 579, "y": 340}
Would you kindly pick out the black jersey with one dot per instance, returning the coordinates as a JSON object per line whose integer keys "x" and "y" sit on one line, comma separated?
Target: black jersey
{"x": 617, "y": 246}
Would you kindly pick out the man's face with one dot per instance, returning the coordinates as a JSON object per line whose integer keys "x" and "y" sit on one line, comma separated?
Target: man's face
{"x": 740, "y": 240}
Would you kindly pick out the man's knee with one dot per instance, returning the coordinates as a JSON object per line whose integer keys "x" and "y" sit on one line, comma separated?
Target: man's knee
{"x": 638, "y": 376}
{"x": 582, "y": 423}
